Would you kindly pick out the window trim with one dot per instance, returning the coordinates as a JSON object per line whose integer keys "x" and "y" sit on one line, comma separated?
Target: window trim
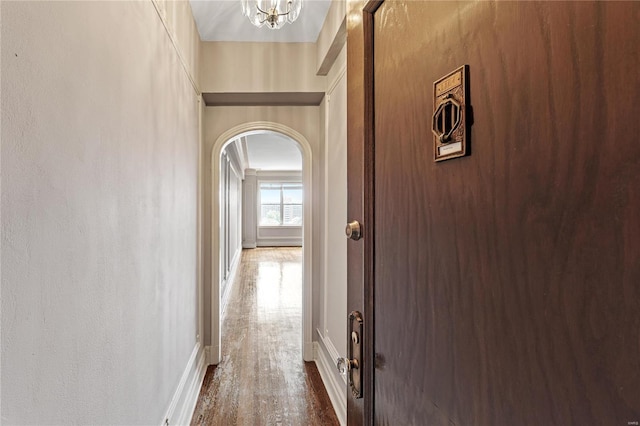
{"x": 281, "y": 183}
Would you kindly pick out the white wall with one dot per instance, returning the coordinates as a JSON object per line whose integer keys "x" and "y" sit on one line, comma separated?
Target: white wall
{"x": 230, "y": 217}
{"x": 335, "y": 266}
{"x": 235, "y": 216}
{"x": 330, "y": 329}
{"x": 99, "y": 214}
{"x": 250, "y": 209}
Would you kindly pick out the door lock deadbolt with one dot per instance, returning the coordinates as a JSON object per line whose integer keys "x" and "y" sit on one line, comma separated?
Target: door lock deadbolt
{"x": 353, "y": 230}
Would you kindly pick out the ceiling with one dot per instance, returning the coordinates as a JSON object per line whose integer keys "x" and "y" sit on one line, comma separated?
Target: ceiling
{"x": 272, "y": 151}
{"x": 222, "y": 20}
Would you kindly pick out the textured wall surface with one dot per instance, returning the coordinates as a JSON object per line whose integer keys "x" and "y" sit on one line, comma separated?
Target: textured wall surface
{"x": 99, "y": 209}
{"x": 259, "y": 67}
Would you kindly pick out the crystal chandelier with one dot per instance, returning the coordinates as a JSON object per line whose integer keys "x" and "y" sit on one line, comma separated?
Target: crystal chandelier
{"x": 274, "y": 13}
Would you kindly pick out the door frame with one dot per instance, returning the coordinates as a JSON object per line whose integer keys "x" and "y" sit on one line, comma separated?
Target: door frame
{"x": 369, "y": 208}
{"x": 361, "y": 138}
{"x": 215, "y": 350}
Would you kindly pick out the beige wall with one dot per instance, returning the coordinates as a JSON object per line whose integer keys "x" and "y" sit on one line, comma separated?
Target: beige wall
{"x": 99, "y": 213}
{"x": 259, "y": 67}
{"x": 217, "y": 120}
{"x": 177, "y": 16}
{"x": 332, "y": 38}
{"x": 181, "y": 28}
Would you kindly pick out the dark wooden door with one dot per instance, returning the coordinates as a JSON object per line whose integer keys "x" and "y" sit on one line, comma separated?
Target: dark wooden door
{"x": 505, "y": 285}
{"x": 356, "y": 411}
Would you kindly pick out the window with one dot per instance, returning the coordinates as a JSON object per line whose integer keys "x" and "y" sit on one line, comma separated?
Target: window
{"x": 280, "y": 204}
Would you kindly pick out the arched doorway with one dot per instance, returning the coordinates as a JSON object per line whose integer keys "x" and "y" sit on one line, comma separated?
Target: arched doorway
{"x": 305, "y": 148}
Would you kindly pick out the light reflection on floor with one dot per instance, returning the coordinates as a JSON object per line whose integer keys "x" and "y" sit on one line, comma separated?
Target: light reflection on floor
{"x": 279, "y": 288}
{"x": 262, "y": 379}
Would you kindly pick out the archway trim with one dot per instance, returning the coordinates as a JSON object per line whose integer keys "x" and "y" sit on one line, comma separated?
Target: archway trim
{"x": 215, "y": 354}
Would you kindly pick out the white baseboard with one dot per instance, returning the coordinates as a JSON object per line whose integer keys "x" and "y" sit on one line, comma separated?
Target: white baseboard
{"x": 250, "y": 245}
{"x": 335, "y": 388}
{"x": 212, "y": 354}
{"x": 267, "y": 242}
{"x": 186, "y": 395}
{"x": 231, "y": 280}
{"x": 309, "y": 352}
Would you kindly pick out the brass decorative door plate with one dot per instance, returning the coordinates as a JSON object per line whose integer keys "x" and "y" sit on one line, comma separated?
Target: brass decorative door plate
{"x": 449, "y": 122}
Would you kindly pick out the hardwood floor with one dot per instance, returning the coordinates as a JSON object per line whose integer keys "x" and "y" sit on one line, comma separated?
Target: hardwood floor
{"x": 262, "y": 379}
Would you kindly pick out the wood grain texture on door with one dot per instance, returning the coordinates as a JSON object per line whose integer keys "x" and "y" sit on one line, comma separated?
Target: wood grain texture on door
{"x": 507, "y": 282}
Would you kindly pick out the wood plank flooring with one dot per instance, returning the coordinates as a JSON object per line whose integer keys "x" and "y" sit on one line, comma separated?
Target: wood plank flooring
{"x": 262, "y": 379}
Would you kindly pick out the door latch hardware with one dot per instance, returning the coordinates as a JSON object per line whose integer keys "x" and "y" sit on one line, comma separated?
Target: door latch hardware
{"x": 353, "y": 230}
{"x": 449, "y": 121}
{"x": 345, "y": 365}
{"x": 351, "y": 365}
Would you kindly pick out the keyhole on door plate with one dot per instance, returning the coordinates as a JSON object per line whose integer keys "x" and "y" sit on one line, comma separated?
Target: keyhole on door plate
{"x": 449, "y": 121}
{"x": 446, "y": 119}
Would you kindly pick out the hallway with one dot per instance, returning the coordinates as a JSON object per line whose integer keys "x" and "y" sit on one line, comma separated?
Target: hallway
{"x": 262, "y": 379}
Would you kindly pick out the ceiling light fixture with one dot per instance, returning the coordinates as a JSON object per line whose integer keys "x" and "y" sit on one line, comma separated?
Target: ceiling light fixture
{"x": 274, "y": 13}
